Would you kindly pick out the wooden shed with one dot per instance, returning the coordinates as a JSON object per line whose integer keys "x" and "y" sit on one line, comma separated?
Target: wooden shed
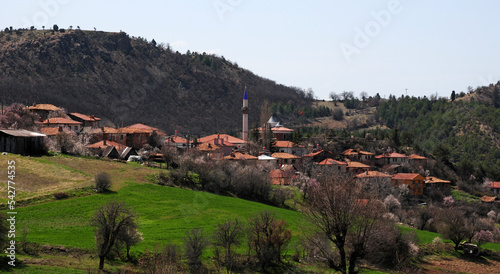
{"x": 20, "y": 141}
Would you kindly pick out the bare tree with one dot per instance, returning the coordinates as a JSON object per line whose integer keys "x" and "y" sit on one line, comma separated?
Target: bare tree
{"x": 267, "y": 237}
{"x": 343, "y": 216}
{"x": 228, "y": 235}
{"x": 111, "y": 221}
{"x": 195, "y": 242}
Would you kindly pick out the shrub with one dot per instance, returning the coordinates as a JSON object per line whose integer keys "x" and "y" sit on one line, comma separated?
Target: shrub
{"x": 60, "y": 195}
{"x": 102, "y": 182}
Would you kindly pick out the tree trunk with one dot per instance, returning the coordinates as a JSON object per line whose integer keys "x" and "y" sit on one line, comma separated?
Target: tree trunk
{"x": 101, "y": 262}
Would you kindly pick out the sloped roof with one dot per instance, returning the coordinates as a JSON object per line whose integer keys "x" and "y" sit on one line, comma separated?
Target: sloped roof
{"x": 286, "y": 144}
{"x": 108, "y": 130}
{"x": 108, "y": 150}
{"x": 331, "y": 162}
{"x": 352, "y": 151}
{"x": 52, "y": 131}
{"x": 283, "y": 155}
{"x": 229, "y": 138}
{"x": 391, "y": 155}
{"x": 495, "y": 185}
{"x": 49, "y": 107}
{"x": 127, "y": 151}
{"x": 61, "y": 120}
{"x": 488, "y": 199}
{"x": 208, "y": 147}
{"x": 265, "y": 158}
{"x": 84, "y": 117}
{"x": 101, "y": 145}
{"x": 353, "y": 164}
{"x": 373, "y": 174}
{"x": 140, "y": 128}
{"x": 176, "y": 139}
{"x": 22, "y": 133}
{"x": 240, "y": 156}
{"x": 417, "y": 157}
{"x": 281, "y": 130}
{"x": 406, "y": 176}
{"x": 317, "y": 153}
{"x": 434, "y": 180}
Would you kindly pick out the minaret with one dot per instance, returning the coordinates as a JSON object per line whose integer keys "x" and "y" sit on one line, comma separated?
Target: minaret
{"x": 244, "y": 110}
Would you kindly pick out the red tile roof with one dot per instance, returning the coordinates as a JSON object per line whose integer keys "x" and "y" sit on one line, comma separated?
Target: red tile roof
{"x": 277, "y": 173}
{"x": 52, "y": 131}
{"x": 495, "y": 185}
{"x": 391, "y": 155}
{"x": 140, "y": 128}
{"x": 406, "y": 176}
{"x": 176, "y": 139}
{"x": 353, "y": 164}
{"x": 108, "y": 130}
{"x": 44, "y": 107}
{"x": 417, "y": 157}
{"x": 488, "y": 199}
{"x": 84, "y": 117}
{"x": 434, "y": 180}
{"x": 286, "y": 144}
{"x": 283, "y": 155}
{"x": 101, "y": 145}
{"x": 61, "y": 120}
{"x": 373, "y": 174}
{"x": 281, "y": 130}
{"x": 240, "y": 156}
{"x": 229, "y": 138}
{"x": 352, "y": 151}
{"x": 316, "y": 153}
{"x": 331, "y": 162}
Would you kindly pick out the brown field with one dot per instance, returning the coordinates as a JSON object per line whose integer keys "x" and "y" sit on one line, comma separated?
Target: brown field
{"x": 37, "y": 176}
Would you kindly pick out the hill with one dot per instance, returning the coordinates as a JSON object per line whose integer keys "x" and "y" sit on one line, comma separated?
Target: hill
{"x": 129, "y": 80}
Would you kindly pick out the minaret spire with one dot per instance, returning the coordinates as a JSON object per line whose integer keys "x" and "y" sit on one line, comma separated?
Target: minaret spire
{"x": 244, "y": 111}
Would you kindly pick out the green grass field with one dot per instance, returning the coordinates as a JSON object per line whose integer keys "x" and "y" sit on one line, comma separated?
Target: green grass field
{"x": 164, "y": 215}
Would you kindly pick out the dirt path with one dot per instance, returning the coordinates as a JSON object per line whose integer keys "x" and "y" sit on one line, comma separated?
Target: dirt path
{"x": 458, "y": 265}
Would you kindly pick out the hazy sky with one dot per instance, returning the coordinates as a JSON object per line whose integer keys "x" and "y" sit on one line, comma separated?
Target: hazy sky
{"x": 381, "y": 47}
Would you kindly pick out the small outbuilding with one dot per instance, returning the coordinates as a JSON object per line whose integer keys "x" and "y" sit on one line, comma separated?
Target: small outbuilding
{"x": 20, "y": 141}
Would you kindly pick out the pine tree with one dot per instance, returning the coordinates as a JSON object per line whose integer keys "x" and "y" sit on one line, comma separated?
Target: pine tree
{"x": 453, "y": 96}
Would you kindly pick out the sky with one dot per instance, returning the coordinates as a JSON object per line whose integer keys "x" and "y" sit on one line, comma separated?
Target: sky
{"x": 398, "y": 47}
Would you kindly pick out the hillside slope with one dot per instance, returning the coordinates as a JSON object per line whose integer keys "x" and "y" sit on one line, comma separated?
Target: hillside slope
{"x": 129, "y": 80}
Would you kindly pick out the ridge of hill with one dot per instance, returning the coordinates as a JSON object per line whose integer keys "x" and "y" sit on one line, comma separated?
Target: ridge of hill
{"x": 129, "y": 80}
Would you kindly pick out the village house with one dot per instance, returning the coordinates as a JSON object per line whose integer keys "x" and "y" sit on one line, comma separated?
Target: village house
{"x": 265, "y": 159}
{"x": 86, "y": 120}
{"x": 357, "y": 167}
{"x": 333, "y": 165}
{"x": 318, "y": 156}
{"x": 20, "y": 141}
{"x": 433, "y": 183}
{"x": 417, "y": 159}
{"x": 178, "y": 142}
{"x": 99, "y": 147}
{"x": 280, "y": 133}
{"x": 358, "y": 155}
{"x": 414, "y": 181}
{"x": 216, "y": 149}
{"x": 44, "y": 110}
{"x": 495, "y": 188}
{"x": 137, "y": 135}
{"x": 237, "y": 142}
{"x": 373, "y": 177}
{"x": 238, "y": 156}
{"x": 286, "y": 158}
{"x": 391, "y": 159}
{"x": 282, "y": 176}
{"x": 290, "y": 147}
{"x": 63, "y": 122}
{"x": 99, "y": 134}
{"x": 51, "y": 132}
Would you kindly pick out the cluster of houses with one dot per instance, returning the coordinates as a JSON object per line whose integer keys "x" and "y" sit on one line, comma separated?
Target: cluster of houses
{"x": 285, "y": 161}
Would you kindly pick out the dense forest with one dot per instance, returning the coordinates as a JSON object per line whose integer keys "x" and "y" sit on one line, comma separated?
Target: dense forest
{"x": 464, "y": 132}
{"x": 129, "y": 80}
